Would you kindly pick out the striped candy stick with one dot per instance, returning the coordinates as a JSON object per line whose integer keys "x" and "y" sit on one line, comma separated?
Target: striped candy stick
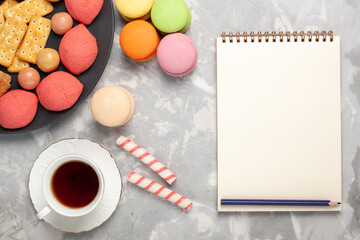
{"x": 159, "y": 190}
{"x": 146, "y": 158}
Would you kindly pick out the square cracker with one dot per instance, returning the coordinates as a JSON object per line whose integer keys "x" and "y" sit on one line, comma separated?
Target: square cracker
{"x": 28, "y": 8}
{"x": 8, "y": 4}
{"x": 17, "y": 65}
{"x": 2, "y": 19}
{"x": 10, "y": 38}
{"x": 35, "y": 39}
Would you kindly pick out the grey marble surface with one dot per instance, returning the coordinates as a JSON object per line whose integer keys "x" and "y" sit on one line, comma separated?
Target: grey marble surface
{"x": 175, "y": 120}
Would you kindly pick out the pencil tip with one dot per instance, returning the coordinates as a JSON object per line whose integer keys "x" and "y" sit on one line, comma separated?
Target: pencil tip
{"x": 334, "y": 203}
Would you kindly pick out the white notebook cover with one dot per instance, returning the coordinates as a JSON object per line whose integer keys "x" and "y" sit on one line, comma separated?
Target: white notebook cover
{"x": 278, "y": 122}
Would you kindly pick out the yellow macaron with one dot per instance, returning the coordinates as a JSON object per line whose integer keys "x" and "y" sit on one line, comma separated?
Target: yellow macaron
{"x": 134, "y": 9}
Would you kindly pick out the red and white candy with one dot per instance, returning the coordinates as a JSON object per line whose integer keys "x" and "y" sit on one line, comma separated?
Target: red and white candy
{"x": 146, "y": 158}
{"x": 159, "y": 190}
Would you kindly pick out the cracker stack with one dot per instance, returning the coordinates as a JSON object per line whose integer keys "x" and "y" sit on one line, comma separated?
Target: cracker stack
{"x": 20, "y": 42}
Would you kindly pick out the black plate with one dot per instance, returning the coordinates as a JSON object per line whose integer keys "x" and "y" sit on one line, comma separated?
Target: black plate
{"x": 103, "y": 30}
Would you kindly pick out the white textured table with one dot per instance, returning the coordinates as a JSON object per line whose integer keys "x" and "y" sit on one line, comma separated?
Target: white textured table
{"x": 175, "y": 120}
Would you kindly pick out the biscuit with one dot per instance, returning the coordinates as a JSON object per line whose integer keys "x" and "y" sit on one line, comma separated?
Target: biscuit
{"x": 2, "y": 19}
{"x": 26, "y": 9}
{"x": 10, "y": 38}
{"x": 5, "y": 80}
{"x": 35, "y": 39}
{"x": 8, "y": 4}
{"x": 17, "y": 65}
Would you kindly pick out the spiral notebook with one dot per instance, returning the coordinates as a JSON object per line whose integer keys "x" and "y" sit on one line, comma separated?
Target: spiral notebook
{"x": 278, "y": 118}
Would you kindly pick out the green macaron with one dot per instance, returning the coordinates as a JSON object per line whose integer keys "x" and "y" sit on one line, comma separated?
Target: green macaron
{"x": 170, "y": 16}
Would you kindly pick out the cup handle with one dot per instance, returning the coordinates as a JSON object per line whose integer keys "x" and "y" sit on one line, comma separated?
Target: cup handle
{"x": 46, "y": 210}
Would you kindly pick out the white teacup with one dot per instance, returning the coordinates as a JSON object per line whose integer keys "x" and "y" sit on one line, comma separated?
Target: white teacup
{"x": 53, "y": 203}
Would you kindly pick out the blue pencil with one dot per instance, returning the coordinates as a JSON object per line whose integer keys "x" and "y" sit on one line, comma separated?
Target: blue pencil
{"x": 279, "y": 202}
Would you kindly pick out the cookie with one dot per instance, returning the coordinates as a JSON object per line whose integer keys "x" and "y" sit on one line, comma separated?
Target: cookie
{"x": 35, "y": 39}
{"x": 17, "y": 65}
{"x": 5, "y": 80}
{"x": 28, "y": 8}
{"x": 10, "y": 38}
{"x": 17, "y": 109}
{"x": 84, "y": 11}
{"x": 78, "y": 49}
{"x": 59, "y": 91}
{"x": 8, "y": 4}
{"x": 2, "y": 19}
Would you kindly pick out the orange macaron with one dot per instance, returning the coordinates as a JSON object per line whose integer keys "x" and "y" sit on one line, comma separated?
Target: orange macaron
{"x": 139, "y": 40}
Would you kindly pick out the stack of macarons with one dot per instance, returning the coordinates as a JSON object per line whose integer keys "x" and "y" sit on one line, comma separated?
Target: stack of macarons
{"x": 176, "y": 52}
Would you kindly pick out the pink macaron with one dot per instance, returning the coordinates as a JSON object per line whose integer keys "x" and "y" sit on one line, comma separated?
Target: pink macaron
{"x": 177, "y": 54}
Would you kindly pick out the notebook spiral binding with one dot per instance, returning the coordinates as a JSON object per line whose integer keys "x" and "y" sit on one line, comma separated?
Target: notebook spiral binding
{"x": 297, "y": 36}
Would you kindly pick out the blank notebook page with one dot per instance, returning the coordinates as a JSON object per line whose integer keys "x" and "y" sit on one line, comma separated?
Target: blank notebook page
{"x": 278, "y": 122}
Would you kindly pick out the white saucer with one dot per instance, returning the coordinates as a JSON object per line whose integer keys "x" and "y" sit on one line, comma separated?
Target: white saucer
{"x": 108, "y": 167}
